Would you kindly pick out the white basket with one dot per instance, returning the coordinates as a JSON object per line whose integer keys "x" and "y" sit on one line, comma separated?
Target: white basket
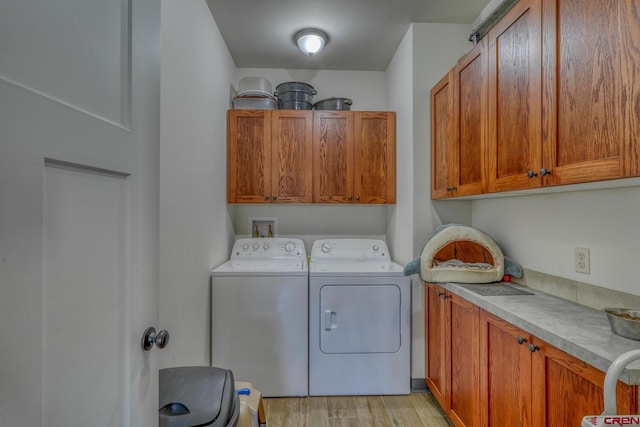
{"x": 252, "y": 85}
{"x": 254, "y": 103}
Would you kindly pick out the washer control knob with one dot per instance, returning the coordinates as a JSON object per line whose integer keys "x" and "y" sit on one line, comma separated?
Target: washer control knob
{"x": 265, "y": 246}
{"x": 256, "y": 246}
{"x": 326, "y": 248}
{"x": 245, "y": 246}
{"x": 376, "y": 248}
{"x": 289, "y": 247}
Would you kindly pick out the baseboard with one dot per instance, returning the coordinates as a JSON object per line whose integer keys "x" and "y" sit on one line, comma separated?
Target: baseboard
{"x": 418, "y": 384}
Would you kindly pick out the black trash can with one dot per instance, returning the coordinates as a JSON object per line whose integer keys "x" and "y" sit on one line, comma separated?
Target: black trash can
{"x": 198, "y": 396}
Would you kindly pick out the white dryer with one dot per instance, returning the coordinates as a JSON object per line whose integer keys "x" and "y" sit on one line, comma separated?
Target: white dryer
{"x": 359, "y": 320}
{"x": 259, "y": 315}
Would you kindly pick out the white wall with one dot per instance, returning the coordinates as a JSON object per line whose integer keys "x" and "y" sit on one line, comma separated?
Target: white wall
{"x": 400, "y": 216}
{"x": 431, "y": 60}
{"x": 365, "y": 88}
{"x": 400, "y": 99}
{"x": 195, "y": 230}
{"x": 542, "y": 231}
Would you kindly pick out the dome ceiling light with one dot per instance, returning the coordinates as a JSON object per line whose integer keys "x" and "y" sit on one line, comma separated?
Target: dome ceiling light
{"x": 311, "y": 41}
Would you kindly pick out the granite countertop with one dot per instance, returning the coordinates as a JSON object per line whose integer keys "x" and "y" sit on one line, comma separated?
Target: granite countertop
{"x": 578, "y": 330}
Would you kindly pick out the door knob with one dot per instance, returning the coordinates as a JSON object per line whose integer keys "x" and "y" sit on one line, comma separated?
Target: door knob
{"x": 151, "y": 337}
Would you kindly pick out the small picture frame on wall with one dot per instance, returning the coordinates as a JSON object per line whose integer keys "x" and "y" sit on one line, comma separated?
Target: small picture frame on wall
{"x": 263, "y": 226}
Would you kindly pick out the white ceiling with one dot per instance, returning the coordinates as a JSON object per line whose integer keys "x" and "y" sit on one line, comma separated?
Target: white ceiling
{"x": 363, "y": 34}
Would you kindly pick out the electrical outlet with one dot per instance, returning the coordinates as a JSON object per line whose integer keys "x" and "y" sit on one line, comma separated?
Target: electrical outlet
{"x": 582, "y": 261}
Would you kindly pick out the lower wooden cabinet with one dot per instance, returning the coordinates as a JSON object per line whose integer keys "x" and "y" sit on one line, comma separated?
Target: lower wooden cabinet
{"x": 573, "y": 383}
{"x": 436, "y": 343}
{"x": 506, "y": 373}
{"x": 527, "y": 381}
{"x": 484, "y": 371}
{"x": 452, "y": 362}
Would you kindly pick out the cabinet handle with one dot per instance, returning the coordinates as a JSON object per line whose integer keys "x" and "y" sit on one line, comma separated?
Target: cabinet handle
{"x": 357, "y": 197}
{"x": 274, "y": 197}
{"x": 531, "y": 174}
{"x": 266, "y": 197}
{"x": 521, "y": 340}
{"x": 533, "y": 348}
{"x": 350, "y": 197}
{"x": 452, "y": 188}
{"x": 544, "y": 172}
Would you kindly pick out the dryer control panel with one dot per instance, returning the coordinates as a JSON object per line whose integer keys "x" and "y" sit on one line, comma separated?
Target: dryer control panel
{"x": 350, "y": 250}
{"x": 268, "y": 248}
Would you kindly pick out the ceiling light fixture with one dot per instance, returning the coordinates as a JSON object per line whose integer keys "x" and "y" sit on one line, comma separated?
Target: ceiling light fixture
{"x": 311, "y": 41}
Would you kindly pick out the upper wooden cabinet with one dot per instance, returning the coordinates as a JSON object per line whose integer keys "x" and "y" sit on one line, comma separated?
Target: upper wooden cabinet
{"x": 458, "y": 128}
{"x": 354, "y": 157}
{"x": 563, "y": 98}
{"x": 374, "y": 160}
{"x": 590, "y": 90}
{"x": 269, "y": 156}
{"x": 515, "y": 107}
{"x": 302, "y": 156}
{"x": 442, "y": 138}
{"x": 333, "y": 157}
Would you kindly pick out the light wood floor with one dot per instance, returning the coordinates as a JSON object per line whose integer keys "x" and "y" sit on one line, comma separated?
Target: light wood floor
{"x": 415, "y": 410}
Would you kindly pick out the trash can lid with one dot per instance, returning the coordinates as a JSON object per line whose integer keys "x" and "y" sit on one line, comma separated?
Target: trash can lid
{"x": 192, "y": 395}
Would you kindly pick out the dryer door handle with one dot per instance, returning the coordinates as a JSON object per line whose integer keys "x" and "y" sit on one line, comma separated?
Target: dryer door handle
{"x": 329, "y": 320}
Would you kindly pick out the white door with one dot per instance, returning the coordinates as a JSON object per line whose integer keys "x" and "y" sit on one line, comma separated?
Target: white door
{"x": 79, "y": 131}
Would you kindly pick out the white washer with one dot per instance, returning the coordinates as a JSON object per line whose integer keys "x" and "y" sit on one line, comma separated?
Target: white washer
{"x": 259, "y": 315}
{"x": 359, "y": 324}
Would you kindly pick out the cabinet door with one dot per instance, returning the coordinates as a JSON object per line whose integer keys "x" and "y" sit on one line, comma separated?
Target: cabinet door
{"x": 506, "y": 373}
{"x": 333, "y": 157}
{"x": 469, "y": 150}
{"x": 436, "y": 343}
{"x": 630, "y": 36}
{"x": 560, "y": 377}
{"x": 515, "y": 99}
{"x": 249, "y": 156}
{"x": 374, "y": 157}
{"x": 464, "y": 362}
{"x": 585, "y": 103}
{"x": 442, "y": 137}
{"x": 291, "y": 146}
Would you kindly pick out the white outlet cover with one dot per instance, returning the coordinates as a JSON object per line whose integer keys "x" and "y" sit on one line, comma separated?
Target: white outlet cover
{"x": 583, "y": 262}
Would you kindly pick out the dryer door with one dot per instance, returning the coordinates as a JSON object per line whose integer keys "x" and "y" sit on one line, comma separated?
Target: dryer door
{"x": 359, "y": 319}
